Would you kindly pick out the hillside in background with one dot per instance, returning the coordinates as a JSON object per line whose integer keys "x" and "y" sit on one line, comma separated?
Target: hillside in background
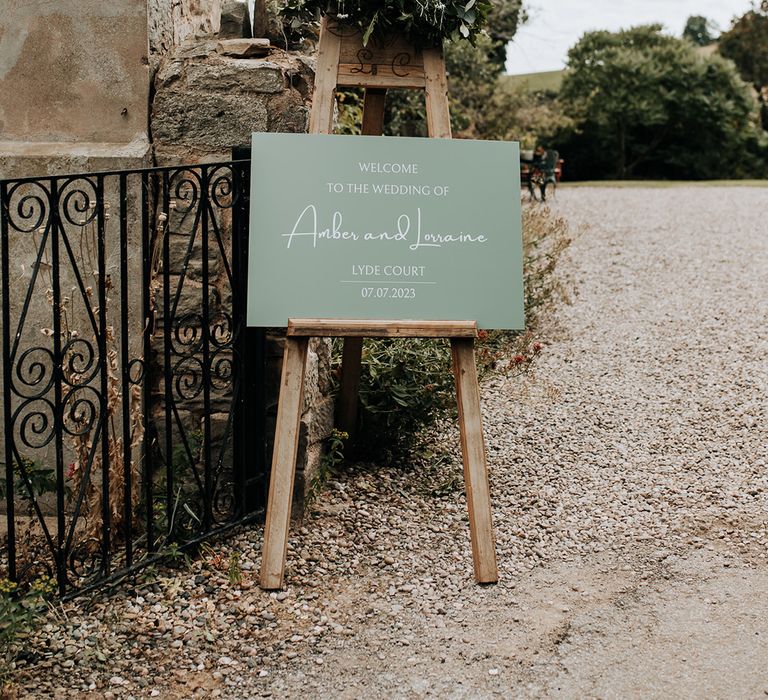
{"x": 537, "y": 82}
{"x": 551, "y": 80}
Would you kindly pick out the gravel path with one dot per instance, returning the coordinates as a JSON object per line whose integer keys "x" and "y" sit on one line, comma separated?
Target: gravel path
{"x": 630, "y": 486}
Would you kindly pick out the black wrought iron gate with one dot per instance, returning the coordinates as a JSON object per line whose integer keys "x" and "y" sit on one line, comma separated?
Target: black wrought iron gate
{"x": 133, "y": 393}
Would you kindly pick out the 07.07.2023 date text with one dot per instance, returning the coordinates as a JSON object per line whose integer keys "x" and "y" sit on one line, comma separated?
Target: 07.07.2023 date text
{"x": 388, "y": 293}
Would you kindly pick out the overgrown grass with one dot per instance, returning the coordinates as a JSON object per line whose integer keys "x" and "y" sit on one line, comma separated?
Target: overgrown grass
{"x": 19, "y": 612}
{"x": 550, "y": 80}
{"x": 407, "y": 384}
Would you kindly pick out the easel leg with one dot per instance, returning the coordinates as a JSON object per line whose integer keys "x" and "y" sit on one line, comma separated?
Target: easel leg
{"x": 323, "y": 100}
{"x": 373, "y": 111}
{"x": 350, "y": 384}
{"x": 475, "y": 469}
{"x": 346, "y": 412}
{"x": 284, "y": 462}
{"x": 438, "y": 112}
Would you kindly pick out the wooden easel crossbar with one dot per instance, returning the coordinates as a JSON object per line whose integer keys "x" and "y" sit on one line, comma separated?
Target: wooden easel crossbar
{"x": 344, "y": 62}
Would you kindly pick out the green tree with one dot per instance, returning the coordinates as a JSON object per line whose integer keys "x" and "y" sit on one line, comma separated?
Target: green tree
{"x": 473, "y": 79}
{"x": 700, "y": 30}
{"x": 746, "y": 44}
{"x": 503, "y": 21}
{"x": 650, "y": 104}
{"x": 533, "y": 117}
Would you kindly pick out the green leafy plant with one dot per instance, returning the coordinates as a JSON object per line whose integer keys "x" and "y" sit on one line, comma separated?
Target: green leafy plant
{"x": 482, "y": 105}
{"x": 20, "y": 610}
{"x": 175, "y": 556}
{"x": 650, "y": 105}
{"x": 42, "y": 479}
{"x": 333, "y": 456}
{"x": 234, "y": 571}
{"x": 407, "y": 384}
{"x": 178, "y": 519}
{"x": 746, "y": 44}
{"x": 425, "y": 22}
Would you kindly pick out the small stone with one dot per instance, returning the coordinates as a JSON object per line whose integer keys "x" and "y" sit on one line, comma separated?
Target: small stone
{"x": 244, "y": 48}
{"x": 235, "y": 19}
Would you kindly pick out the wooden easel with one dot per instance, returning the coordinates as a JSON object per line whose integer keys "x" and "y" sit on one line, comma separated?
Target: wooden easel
{"x": 344, "y": 62}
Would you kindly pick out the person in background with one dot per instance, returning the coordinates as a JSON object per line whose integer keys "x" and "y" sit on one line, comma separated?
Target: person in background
{"x": 534, "y": 175}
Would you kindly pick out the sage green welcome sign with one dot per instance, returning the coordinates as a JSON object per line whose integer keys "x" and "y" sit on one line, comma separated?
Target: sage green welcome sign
{"x": 364, "y": 227}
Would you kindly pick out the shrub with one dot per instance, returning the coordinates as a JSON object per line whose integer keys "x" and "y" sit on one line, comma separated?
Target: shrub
{"x": 20, "y": 611}
{"x": 406, "y": 384}
{"x": 41, "y": 480}
{"x": 646, "y": 104}
{"x": 424, "y": 21}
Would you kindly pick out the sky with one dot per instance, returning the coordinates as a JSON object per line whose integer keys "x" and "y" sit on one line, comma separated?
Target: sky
{"x": 555, "y": 25}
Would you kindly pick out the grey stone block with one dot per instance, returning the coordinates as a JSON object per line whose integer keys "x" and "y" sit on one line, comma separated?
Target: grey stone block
{"x": 244, "y": 75}
{"x": 235, "y": 20}
{"x": 216, "y": 121}
{"x": 244, "y": 48}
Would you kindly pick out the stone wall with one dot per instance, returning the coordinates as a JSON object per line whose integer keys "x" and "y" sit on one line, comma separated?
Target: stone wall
{"x": 73, "y": 71}
{"x": 172, "y": 22}
{"x": 77, "y": 77}
{"x": 208, "y": 98}
{"x": 74, "y": 81}
{"x": 206, "y": 101}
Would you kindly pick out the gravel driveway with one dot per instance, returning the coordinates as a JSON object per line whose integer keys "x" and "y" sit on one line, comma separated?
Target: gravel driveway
{"x": 630, "y": 487}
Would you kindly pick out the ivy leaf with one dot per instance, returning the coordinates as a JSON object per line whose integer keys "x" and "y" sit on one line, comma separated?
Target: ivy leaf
{"x": 370, "y": 29}
{"x": 464, "y": 30}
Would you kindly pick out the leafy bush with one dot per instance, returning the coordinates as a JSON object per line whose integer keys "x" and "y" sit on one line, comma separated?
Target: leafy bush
{"x": 481, "y": 105}
{"x": 651, "y": 105}
{"x": 425, "y": 22}
{"x": 40, "y": 478}
{"x": 746, "y": 44}
{"x": 478, "y": 108}
{"x": 406, "y": 384}
{"x": 19, "y": 611}
{"x": 333, "y": 457}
